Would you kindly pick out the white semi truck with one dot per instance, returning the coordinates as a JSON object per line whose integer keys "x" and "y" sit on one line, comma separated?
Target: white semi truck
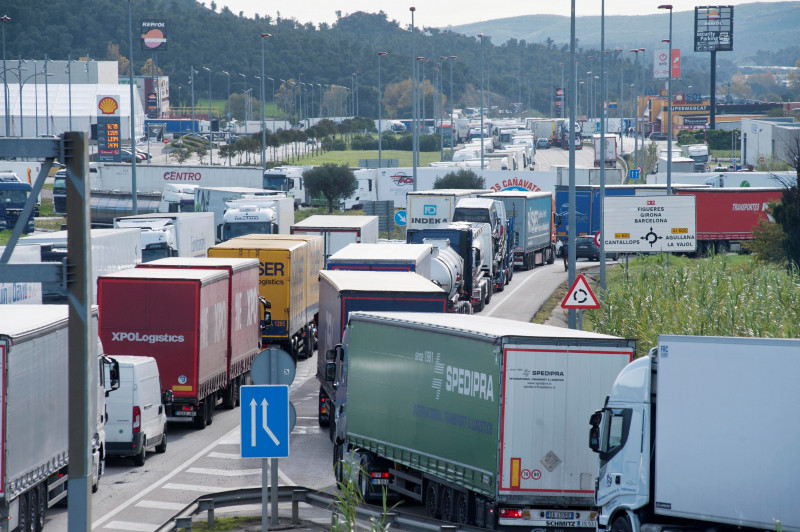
{"x": 177, "y": 234}
{"x": 701, "y": 434}
{"x": 271, "y": 215}
{"x": 34, "y": 354}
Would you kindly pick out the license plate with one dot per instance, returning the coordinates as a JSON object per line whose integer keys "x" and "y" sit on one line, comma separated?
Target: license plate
{"x": 559, "y": 515}
{"x": 184, "y": 413}
{"x": 380, "y": 482}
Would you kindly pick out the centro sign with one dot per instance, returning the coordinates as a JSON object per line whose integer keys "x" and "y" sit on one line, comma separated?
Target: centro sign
{"x": 643, "y": 224}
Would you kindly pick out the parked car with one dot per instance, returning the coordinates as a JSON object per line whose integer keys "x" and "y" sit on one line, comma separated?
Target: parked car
{"x": 126, "y": 156}
{"x": 144, "y": 154}
{"x": 586, "y": 248}
{"x": 657, "y": 135}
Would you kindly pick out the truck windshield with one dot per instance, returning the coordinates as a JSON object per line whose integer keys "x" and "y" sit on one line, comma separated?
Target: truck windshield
{"x": 472, "y": 215}
{"x": 186, "y": 205}
{"x": 232, "y": 230}
{"x": 60, "y": 183}
{"x": 13, "y": 196}
{"x": 155, "y": 253}
{"x": 275, "y": 182}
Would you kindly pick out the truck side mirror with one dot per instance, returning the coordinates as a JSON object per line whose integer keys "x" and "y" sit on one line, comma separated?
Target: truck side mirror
{"x": 267, "y": 314}
{"x": 111, "y": 372}
{"x": 167, "y": 397}
{"x": 559, "y": 220}
{"x": 597, "y": 424}
{"x": 330, "y": 371}
{"x": 330, "y": 355}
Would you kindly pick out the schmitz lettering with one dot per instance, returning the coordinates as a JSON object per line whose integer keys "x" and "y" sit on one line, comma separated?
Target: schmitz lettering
{"x": 120, "y": 336}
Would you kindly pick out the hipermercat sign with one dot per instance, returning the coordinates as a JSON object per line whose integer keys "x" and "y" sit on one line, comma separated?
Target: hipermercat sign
{"x": 642, "y": 224}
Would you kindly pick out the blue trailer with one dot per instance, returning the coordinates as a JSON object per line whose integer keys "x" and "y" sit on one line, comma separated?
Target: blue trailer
{"x": 343, "y": 292}
{"x": 533, "y": 224}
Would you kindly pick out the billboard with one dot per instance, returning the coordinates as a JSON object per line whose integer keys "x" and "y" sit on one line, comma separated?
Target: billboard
{"x": 108, "y": 134}
{"x": 154, "y": 35}
{"x": 713, "y": 28}
{"x": 662, "y": 65}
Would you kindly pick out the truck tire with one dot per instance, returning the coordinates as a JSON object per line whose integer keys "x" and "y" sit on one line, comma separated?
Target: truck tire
{"x": 448, "y": 505}
{"x": 41, "y": 514}
{"x": 364, "y": 474}
{"x": 488, "y": 294}
{"x": 621, "y": 524}
{"x": 200, "y": 417}
{"x": 432, "y": 499}
{"x": 210, "y": 402}
{"x": 501, "y": 285}
{"x": 229, "y": 397}
{"x": 161, "y": 448}
{"x": 338, "y": 468}
{"x": 138, "y": 460}
{"x": 33, "y": 508}
{"x": 24, "y": 515}
{"x": 722, "y": 247}
{"x": 462, "y": 509}
{"x": 551, "y": 255}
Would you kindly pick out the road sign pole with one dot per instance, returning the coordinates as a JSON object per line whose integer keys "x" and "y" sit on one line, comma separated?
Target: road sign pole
{"x": 264, "y": 494}
{"x": 274, "y": 492}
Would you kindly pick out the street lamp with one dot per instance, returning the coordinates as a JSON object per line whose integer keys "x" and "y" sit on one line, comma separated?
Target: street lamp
{"x": 563, "y": 92}
{"x": 669, "y": 102}
{"x": 264, "y": 37}
{"x": 452, "y": 124}
{"x": 210, "y": 128}
{"x": 482, "y": 132}
{"x": 380, "y": 123}
{"x": 246, "y": 100}
{"x": 621, "y": 91}
{"x": 636, "y": 109}
{"x": 272, "y": 99}
{"x": 191, "y": 82}
{"x": 4, "y": 19}
{"x": 414, "y": 135}
{"x": 551, "y": 91}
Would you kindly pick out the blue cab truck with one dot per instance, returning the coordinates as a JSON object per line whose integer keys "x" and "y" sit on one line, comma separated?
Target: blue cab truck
{"x": 13, "y": 195}
{"x": 588, "y": 212}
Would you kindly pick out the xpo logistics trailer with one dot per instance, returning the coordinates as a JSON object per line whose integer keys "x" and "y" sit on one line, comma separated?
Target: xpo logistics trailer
{"x": 698, "y": 435}
{"x": 343, "y": 292}
{"x": 244, "y": 325}
{"x": 34, "y": 355}
{"x": 180, "y": 318}
{"x": 287, "y": 283}
{"x": 477, "y": 418}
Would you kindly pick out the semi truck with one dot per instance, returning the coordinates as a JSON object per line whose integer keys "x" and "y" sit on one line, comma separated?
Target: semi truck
{"x": 732, "y": 398}
{"x": 154, "y": 177}
{"x": 286, "y": 273}
{"x": 484, "y": 417}
{"x": 112, "y": 250}
{"x": 107, "y": 205}
{"x": 698, "y": 153}
{"x": 534, "y": 221}
{"x": 176, "y": 234}
{"x": 177, "y": 197}
{"x": 429, "y": 209}
{"x": 13, "y": 195}
{"x": 216, "y": 199}
{"x": 244, "y": 334}
{"x": 338, "y": 231}
{"x": 180, "y": 318}
{"x": 34, "y": 453}
{"x": 343, "y": 292}
{"x": 289, "y": 181}
{"x": 489, "y": 211}
{"x": 387, "y": 257}
{"x": 609, "y": 159}
{"x": 257, "y": 214}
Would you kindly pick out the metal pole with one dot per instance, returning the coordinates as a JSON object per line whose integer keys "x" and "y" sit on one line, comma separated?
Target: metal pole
{"x": 641, "y": 127}
{"x": 562, "y": 90}
{"x": 636, "y": 110}
{"x": 452, "y": 122}
{"x": 135, "y": 206}
{"x": 69, "y": 83}
{"x": 46, "y": 99}
{"x": 264, "y": 36}
{"x": 573, "y": 86}
{"x": 551, "y": 92}
{"x": 3, "y": 20}
{"x": 602, "y": 144}
{"x": 264, "y": 491}
{"x": 380, "y": 129}
{"x": 414, "y": 136}
{"x": 669, "y": 103}
{"x": 191, "y": 82}
{"x": 482, "y": 132}
{"x": 36, "y": 96}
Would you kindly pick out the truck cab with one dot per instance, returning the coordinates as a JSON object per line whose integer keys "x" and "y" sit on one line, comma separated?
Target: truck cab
{"x": 13, "y": 195}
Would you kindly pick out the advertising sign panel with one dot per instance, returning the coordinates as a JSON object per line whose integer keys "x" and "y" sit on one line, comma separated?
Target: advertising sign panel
{"x": 661, "y": 64}
{"x": 713, "y": 28}
{"x": 108, "y": 138}
{"x": 154, "y": 35}
{"x": 644, "y": 224}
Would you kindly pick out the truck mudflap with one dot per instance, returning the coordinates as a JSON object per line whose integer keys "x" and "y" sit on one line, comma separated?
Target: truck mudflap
{"x": 547, "y": 518}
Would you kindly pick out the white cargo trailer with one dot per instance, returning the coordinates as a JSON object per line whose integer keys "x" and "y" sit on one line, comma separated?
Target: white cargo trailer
{"x": 338, "y": 231}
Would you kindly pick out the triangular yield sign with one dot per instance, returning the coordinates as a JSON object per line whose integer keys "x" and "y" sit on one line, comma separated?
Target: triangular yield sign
{"x": 580, "y": 296}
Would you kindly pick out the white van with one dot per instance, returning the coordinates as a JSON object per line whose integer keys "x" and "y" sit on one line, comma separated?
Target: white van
{"x": 137, "y": 420}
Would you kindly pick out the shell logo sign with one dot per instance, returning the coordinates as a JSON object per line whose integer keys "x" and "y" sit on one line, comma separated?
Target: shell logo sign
{"x": 108, "y": 105}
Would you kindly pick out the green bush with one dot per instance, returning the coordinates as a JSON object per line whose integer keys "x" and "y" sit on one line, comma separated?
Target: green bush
{"x": 363, "y": 142}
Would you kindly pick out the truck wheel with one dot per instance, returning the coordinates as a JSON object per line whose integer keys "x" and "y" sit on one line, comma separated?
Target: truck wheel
{"x": 33, "y": 508}
{"x": 42, "y": 508}
{"x": 621, "y": 524}
{"x": 501, "y": 285}
{"x": 338, "y": 456}
{"x": 24, "y": 516}
{"x": 229, "y": 399}
{"x": 308, "y": 342}
{"x": 448, "y": 507}
{"x": 551, "y": 256}
{"x": 139, "y": 459}
{"x": 432, "y": 500}
{"x": 488, "y": 294}
{"x": 161, "y": 448}
{"x": 364, "y": 474}
{"x": 200, "y": 418}
{"x": 722, "y": 247}
{"x": 210, "y": 406}
{"x": 462, "y": 509}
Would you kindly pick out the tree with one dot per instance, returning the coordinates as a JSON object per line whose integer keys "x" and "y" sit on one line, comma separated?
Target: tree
{"x": 332, "y": 181}
{"x": 787, "y": 212}
{"x": 181, "y": 154}
{"x": 112, "y": 53}
{"x": 461, "y": 179}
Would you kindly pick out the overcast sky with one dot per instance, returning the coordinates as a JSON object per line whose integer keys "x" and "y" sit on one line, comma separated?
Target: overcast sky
{"x": 442, "y": 13}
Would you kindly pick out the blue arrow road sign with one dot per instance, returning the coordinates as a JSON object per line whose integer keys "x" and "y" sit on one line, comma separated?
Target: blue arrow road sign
{"x": 400, "y": 217}
{"x": 633, "y": 173}
{"x": 265, "y": 421}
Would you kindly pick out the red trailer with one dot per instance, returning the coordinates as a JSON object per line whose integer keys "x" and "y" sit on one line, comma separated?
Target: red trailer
{"x": 726, "y": 216}
{"x": 178, "y": 317}
{"x": 244, "y": 333}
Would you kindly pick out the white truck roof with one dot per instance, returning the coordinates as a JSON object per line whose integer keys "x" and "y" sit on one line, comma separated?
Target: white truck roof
{"x": 379, "y": 281}
{"x": 323, "y": 220}
{"x": 202, "y": 262}
{"x": 386, "y": 251}
{"x": 17, "y": 321}
{"x": 204, "y": 276}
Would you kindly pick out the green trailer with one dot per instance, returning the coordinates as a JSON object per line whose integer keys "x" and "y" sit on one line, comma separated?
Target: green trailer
{"x": 480, "y": 419}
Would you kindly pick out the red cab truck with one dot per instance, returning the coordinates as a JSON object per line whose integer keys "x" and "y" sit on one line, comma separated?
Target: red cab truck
{"x": 180, "y": 318}
{"x": 726, "y": 216}
{"x": 244, "y": 333}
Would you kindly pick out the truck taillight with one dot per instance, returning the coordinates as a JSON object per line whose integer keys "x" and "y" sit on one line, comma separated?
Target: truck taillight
{"x": 511, "y": 513}
{"x": 380, "y": 475}
{"x": 137, "y": 419}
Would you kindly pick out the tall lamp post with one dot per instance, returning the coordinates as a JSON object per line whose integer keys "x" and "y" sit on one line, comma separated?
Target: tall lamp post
{"x": 452, "y": 121}
{"x": 669, "y": 102}
{"x": 636, "y": 109}
{"x": 228, "y": 114}
{"x": 551, "y": 91}
{"x": 246, "y": 100}
{"x": 135, "y": 206}
{"x": 603, "y": 99}
{"x": 272, "y": 99}
{"x": 264, "y": 37}
{"x": 414, "y": 133}
{"x": 480, "y": 35}
{"x": 380, "y": 104}
{"x": 210, "y": 128}
{"x": 4, "y": 19}
{"x": 191, "y": 82}
{"x": 641, "y": 125}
